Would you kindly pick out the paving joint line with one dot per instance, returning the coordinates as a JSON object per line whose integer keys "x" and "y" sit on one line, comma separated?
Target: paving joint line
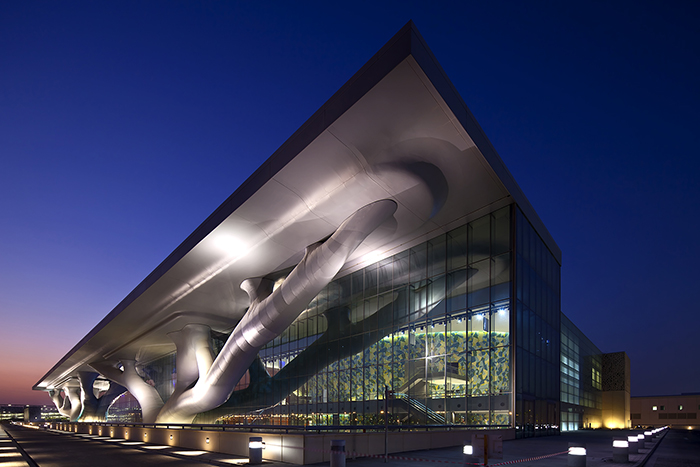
{"x": 149, "y": 451}
{"x": 27, "y": 458}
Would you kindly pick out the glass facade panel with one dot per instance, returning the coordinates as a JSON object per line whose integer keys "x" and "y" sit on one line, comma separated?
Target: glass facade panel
{"x": 537, "y": 325}
{"x": 433, "y": 324}
{"x": 580, "y": 379}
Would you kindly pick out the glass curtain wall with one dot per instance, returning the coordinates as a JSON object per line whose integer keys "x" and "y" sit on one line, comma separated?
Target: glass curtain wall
{"x": 537, "y": 324}
{"x": 581, "y": 385}
{"x": 431, "y": 324}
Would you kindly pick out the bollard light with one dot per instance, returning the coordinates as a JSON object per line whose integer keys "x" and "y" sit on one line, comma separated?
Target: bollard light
{"x": 255, "y": 447}
{"x": 337, "y": 453}
{"x": 632, "y": 443}
{"x": 469, "y": 457}
{"x": 620, "y": 450}
{"x": 641, "y": 444}
{"x": 576, "y": 457}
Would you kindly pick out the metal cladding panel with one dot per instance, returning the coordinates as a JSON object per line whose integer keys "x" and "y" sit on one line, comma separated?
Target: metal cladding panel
{"x": 397, "y": 129}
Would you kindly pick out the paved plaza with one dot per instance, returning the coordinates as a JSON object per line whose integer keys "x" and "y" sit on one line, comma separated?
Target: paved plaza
{"x": 20, "y": 447}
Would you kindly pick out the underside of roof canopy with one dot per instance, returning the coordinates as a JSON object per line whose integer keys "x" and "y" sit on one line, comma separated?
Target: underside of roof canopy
{"x": 396, "y": 130}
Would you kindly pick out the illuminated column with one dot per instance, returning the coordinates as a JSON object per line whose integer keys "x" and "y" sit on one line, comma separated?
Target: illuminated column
{"x": 87, "y": 395}
{"x": 194, "y": 355}
{"x": 72, "y": 390}
{"x": 148, "y": 397}
{"x": 62, "y": 404}
{"x": 95, "y": 408}
{"x": 271, "y": 312}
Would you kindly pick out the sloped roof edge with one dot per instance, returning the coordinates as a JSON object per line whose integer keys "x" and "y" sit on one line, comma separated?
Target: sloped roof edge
{"x": 406, "y": 42}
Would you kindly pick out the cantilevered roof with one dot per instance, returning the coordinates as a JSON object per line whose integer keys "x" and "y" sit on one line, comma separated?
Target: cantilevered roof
{"x": 397, "y": 129}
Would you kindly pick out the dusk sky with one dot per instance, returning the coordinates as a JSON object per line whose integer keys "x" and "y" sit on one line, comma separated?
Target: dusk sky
{"x": 123, "y": 125}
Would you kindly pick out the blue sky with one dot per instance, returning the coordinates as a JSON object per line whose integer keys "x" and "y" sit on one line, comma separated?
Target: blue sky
{"x": 123, "y": 125}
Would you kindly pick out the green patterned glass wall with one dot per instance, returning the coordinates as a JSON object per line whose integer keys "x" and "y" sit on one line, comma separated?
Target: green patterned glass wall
{"x": 580, "y": 386}
{"x": 431, "y": 323}
{"x": 537, "y": 323}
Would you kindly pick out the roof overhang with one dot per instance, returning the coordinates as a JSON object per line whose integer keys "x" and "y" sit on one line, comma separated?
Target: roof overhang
{"x": 397, "y": 129}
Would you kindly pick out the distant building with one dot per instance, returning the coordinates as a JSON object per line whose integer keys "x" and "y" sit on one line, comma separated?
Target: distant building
{"x": 21, "y": 412}
{"x": 32, "y": 413}
{"x": 384, "y": 250}
{"x": 11, "y": 412}
{"x": 678, "y": 411}
{"x": 595, "y": 387}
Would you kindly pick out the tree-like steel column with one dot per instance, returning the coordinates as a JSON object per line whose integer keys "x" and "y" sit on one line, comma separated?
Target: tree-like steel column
{"x": 95, "y": 408}
{"x": 194, "y": 355}
{"x": 270, "y": 313}
{"x": 149, "y": 399}
{"x": 61, "y": 403}
{"x": 72, "y": 391}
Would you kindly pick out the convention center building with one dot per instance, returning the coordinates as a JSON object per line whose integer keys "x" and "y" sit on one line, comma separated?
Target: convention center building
{"x": 382, "y": 266}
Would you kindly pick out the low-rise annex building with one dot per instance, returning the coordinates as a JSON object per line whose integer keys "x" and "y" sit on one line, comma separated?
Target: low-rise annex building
{"x": 678, "y": 411}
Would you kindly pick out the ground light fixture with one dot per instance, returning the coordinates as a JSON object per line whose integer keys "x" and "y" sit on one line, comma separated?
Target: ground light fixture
{"x": 576, "y": 457}
{"x": 255, "y": 447}
{"x": 337, "y": 458}
{"x": 620, "y": 450}
{"x": 469, "y": 457}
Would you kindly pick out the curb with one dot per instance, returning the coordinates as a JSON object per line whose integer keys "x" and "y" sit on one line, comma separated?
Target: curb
{"x": 643, "y": 462}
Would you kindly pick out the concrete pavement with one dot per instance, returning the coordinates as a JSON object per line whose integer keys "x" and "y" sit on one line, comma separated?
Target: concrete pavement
{"x": 677, "y": 448}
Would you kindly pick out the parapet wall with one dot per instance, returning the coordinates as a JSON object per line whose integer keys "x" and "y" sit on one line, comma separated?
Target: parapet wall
{"x": 294, "y": 448}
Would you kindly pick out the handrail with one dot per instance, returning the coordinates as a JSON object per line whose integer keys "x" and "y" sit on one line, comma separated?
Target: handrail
{"x": 293, "y": 428}
{"x": 419, "y": 406}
